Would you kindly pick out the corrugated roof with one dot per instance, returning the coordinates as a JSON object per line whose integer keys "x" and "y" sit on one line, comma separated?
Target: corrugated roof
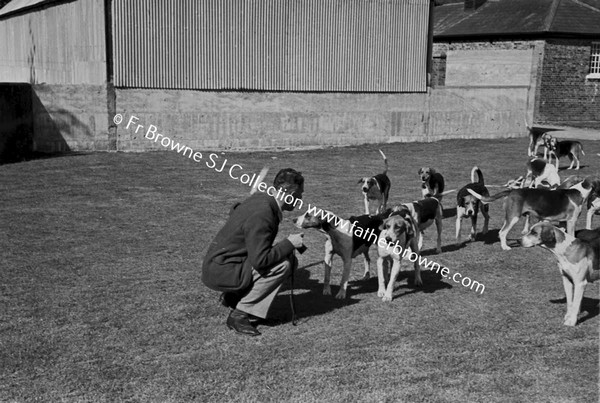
{"x": 518, "y": 17}
{"x": 18, "y": 5}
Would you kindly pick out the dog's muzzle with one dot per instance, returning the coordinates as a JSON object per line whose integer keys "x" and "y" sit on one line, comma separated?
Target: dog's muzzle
{"x": 527, "y": 242}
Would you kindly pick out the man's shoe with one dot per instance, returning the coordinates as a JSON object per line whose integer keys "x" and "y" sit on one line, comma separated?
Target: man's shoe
{"x": 240, "y": 322}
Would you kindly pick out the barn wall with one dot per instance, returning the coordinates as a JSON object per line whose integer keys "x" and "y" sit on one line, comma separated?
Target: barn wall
{"x": 272, "y": 45}
{"x": 220, "y": 120}
{"x": 60, "y": 50}
{"x": 60, "y": 44}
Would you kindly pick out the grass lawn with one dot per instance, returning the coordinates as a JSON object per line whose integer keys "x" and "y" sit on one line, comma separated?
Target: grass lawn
{"x": 101, "y": 298}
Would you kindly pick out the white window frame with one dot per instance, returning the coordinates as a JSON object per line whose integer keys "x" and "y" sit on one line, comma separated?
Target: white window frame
{"x": 594, "y": 61}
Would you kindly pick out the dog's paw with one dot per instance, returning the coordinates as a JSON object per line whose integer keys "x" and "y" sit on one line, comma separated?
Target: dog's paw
{"x": 387, "y": 298}
{"x": 506, "y": 247}
{"x": 326, "y": 290}
{"x": 572, "y": 321}
{"x": 438, "y": 250}
{"x": 380, "y": 293}
{"x": 341, "y": 294}
{"x": 418, "y": 282}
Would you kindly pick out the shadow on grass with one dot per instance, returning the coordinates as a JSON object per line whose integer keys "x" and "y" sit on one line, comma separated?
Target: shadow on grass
{"x": 308, "y": 298}
{"x": 446, "y": 248}
{"x": 566, "y": 168}
{"x": 490, "y": 238}
{"x": 589, "y": 305}
{"x": 431, "y": 283}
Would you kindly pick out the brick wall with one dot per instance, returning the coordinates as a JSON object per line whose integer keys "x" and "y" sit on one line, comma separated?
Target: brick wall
{"x": 566, "y": 97}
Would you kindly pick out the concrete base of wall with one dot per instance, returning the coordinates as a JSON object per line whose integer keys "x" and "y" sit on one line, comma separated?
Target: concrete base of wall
{"x": 70, "y": 118}
{"x": 75, "y": 118}
{"x": 228, "y": 120}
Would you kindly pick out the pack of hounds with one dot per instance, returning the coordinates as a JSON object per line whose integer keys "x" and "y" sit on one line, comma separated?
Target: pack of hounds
{"x": 538, "y": 195}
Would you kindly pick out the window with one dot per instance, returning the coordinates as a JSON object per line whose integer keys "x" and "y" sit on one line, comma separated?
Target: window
{"x": 594, "y": 61}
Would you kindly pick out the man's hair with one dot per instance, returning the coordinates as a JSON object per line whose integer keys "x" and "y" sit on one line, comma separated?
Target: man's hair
{"x": 288, "y": 178}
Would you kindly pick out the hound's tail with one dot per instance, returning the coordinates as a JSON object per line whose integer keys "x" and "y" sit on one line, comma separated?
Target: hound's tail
{"x": 438, "y": 196}
{"x": 446, "y": 192}
{"x": 477, "y": 171}
{"x": 489, "y": 199}
{"x": 384, "y": 161}
{"x": 527, "y": 124}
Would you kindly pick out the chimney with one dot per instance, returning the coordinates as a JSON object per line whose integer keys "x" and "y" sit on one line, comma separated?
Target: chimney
{"x": 473, "y": 4}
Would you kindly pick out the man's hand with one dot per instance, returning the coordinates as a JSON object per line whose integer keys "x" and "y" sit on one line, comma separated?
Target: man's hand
{"x": 296, "y": 240}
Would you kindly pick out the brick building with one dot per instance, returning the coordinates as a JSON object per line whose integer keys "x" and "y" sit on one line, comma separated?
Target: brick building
{"x": 552, "y": 46}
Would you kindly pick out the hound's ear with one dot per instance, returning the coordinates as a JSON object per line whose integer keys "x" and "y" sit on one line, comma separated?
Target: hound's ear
{"x": 382, "y": 226}
{"x": 361, "y": 180}
{"x": 410, "y": 228}
{"x": 548, "y": 236}
{"x": 420, "y": 171}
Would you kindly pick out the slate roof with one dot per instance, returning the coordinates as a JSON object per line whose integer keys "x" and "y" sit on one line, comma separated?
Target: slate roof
{"x": 529, "y": 18}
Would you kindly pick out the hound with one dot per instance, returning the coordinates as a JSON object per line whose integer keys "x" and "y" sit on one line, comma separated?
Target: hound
{"x": 468, "y": 205}
{"x": 398, "y": 237}
{"x": 432, "y": 183}
{"x": 577, "y": 262}
{"x": 593, "y": 202}
{"x": 537, "y": 138}
{"x": 376, "y": 189}
{"x": 543, "y": 204}
{"x": 539, "y": 173}
{"x": 424, "y": 213}
{"x": 346, "y": 238}
{"x": 566, "y": 148}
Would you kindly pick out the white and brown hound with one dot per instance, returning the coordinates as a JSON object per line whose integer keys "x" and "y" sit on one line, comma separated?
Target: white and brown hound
{"x": 577, "y": 261}
{"x": 467, "y": 205}
{"x": 432, "y": 183}
{"x": 376, "y": 189}
{"x": 566, "y": 148}
{"x": 424, "y": 212}
{"x": 543, "y": 204}
{"x": 398, "y": 238}
{"x": 346, "y": 238}
{"x": 537, "y": 137}
{"x": 593, "y": 200}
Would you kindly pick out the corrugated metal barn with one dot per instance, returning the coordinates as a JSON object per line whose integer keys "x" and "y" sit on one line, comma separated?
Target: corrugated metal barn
{"x": 231, "y": 73}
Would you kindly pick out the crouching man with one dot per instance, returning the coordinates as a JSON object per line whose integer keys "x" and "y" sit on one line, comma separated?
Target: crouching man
{"x": 242, "y": 261}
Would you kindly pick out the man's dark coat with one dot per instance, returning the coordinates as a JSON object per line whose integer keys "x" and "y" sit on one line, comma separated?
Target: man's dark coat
{"x": 245, "y": 242}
